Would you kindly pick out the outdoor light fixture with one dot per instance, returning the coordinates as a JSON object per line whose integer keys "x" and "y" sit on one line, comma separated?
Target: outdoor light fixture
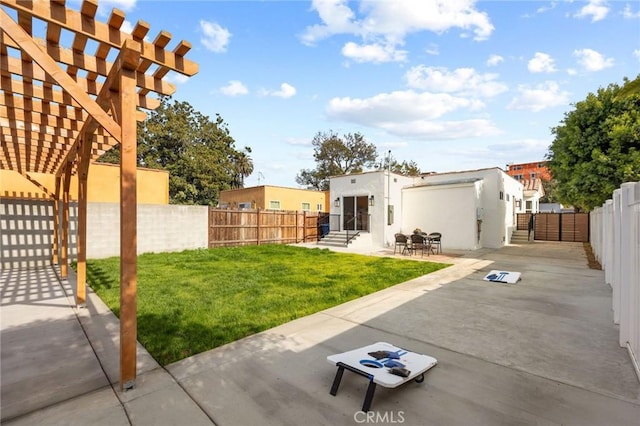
{"x": 336, "y": 203}
{"x": 371, "y": 200}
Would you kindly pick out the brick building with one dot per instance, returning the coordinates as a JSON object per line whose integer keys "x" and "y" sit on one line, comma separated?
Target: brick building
{"x": 529, "y": 171}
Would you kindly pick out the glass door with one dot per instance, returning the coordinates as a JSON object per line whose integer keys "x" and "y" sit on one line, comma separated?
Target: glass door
{"x": 355, "y": 213}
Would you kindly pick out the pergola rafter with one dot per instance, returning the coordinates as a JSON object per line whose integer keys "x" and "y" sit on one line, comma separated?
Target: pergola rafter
{"x": 62, "y": 107}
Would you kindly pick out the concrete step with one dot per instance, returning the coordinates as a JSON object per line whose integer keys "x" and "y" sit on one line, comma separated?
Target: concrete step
{"x": 335, "y": 239}
{"x": 521, "y": 236}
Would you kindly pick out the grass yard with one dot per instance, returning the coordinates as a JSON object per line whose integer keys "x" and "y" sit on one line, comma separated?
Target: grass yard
{"x": 196, "y": 300}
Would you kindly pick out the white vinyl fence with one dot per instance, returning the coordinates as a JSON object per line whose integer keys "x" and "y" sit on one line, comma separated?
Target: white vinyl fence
{"x": 615, "y": 239}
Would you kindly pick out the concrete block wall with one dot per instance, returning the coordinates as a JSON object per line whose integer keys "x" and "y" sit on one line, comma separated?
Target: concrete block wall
{"x": 26, "y": 233}
{"x": 161, "y": 228}
{"x": 26, "y": 230}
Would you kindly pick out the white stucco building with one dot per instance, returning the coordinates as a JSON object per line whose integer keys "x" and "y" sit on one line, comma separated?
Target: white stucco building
{"x": 472, "y": 209}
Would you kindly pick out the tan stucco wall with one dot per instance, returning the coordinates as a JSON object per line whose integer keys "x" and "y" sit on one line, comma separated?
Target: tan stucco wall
{"x": 260, "y": 197}
{"x": 104, "y": 185}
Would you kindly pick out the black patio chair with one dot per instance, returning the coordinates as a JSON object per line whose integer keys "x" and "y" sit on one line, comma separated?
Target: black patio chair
{"x": 401, "y": 241}
{"x": 436, "y": 241}
{"x": 420, "y": 242}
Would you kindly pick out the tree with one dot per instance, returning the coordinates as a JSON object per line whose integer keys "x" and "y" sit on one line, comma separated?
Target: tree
{"x": 198, "y": 153}
{"x": 336, "y": 156}
{"x": 405, "y": 168}
{"x": 244, "y": 167}
{"x": 597, "y": 146}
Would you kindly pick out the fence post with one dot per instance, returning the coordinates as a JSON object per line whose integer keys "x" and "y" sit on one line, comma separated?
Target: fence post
{"x": 258, "y": 227}
{"x": 626, "y": 250}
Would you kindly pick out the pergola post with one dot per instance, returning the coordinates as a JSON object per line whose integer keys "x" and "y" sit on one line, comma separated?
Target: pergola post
{"x": 64, "y": 249}
{"x": 56, "y": 222}
{"x": 125, "y": 112}
{"x": 84, "y": 153}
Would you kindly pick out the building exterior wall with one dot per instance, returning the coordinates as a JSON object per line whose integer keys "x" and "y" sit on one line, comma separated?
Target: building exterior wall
{"x": 386, "y": 190}
{"x": 448, "y": 209}
{"x": 525, "y": 171}
{"x": 498, "y": 202}
{"x": 103, "y": 182}
{"x": 266, "y": 197}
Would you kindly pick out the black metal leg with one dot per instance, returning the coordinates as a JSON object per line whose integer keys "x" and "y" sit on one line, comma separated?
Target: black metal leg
{"x": 337, "y": 380}
{"x": 369, "y": 398}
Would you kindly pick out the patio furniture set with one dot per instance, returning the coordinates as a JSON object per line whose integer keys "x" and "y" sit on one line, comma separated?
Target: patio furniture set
{"x": 418, "y": 241}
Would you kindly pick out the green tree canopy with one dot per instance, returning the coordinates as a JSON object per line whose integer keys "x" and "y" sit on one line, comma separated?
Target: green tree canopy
{"x": 407, "y": 168}
{"x": 336, "y": 156}
{"x": 597, "y": 146}
{"x": 198, "y": 153}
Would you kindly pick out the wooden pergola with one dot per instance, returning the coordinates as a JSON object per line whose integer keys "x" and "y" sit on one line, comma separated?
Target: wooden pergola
{"x": 72, "y": 88}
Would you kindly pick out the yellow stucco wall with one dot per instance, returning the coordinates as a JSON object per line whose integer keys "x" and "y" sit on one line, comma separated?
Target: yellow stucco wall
{"x": 104, "y": 185}
{"x": 268, "y": 197}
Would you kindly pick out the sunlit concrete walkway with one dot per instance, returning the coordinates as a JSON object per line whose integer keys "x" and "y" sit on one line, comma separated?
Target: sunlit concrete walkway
{"x": 543, "y": 351}
{"x": 60, "y": 365}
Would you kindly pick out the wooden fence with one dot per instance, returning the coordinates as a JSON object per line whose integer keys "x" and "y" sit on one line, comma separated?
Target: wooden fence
{"x": 254, "y": 227}
{"x": 561, "y": 227}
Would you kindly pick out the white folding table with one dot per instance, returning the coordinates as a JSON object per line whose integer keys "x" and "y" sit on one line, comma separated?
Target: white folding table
{"x": 360, "y": 362}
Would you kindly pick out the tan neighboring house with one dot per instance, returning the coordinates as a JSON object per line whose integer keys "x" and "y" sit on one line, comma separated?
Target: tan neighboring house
{"x": 267, "y": 197}
{"x": 104, "y": 185}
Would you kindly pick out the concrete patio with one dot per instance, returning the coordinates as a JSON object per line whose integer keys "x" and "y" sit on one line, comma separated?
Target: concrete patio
{"x": 543, "y": 351}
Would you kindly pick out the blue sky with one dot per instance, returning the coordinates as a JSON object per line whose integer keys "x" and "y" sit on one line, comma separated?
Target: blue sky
{"x": 451, "y": 84}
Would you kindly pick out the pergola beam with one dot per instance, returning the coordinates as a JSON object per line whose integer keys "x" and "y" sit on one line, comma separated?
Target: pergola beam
{"x": 27, "y": 45}
{"x": 100, "y": 32}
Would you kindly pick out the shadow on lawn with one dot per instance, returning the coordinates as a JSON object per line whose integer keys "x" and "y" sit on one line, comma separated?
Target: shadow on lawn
{"x": 170, "y": 338}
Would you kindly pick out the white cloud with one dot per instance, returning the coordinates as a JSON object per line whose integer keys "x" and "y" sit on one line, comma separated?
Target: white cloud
{"x": 336, "y": 17}
{"x": 286, "y": 91}
{"x": 636, "y": 54}
{"x": 176, "y": 78}
{"x": 215, "y": 38}
{"x": 596, "y": 9}
{"x": 542, "y": 96}
{"x": 373, "y": 53}
{"x": 461, "y": 80}
{"x": 433, "y": 49}
{"x": 541, "y": 62}
{"x": 127, "y": 27}
{"x": 386, "y": 23}
{"x": 628, "y": 13}
{"x": 234, "y": 88}
{"x": 592, "y": 60}
{"x": 124, "y": 5}
{"x": 494, "y": 60}
{"x": 462, "y": 129}
{"x": 412, "y": 114}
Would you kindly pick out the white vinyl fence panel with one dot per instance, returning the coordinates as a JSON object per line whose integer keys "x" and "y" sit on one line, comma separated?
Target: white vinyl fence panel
{"x": 615, "y": 228}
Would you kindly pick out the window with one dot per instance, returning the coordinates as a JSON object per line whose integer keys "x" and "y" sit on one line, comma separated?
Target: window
{"x": 507, "y": 197}
{"x": 533, "y": 175}
{"x": 244, "y": 205}
{"x": 274, "y": 205}
{"x": 306, "y": 206}
{"x": 319, "y": 207}
{"x": 529, "y": 205}
{"x": 501, "y": 195}
{"x": 353, "y": 181}
{"x": 518, "y": 177}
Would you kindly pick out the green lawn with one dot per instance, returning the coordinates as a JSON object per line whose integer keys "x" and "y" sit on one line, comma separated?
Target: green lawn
{"x": 196, "y": 300}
